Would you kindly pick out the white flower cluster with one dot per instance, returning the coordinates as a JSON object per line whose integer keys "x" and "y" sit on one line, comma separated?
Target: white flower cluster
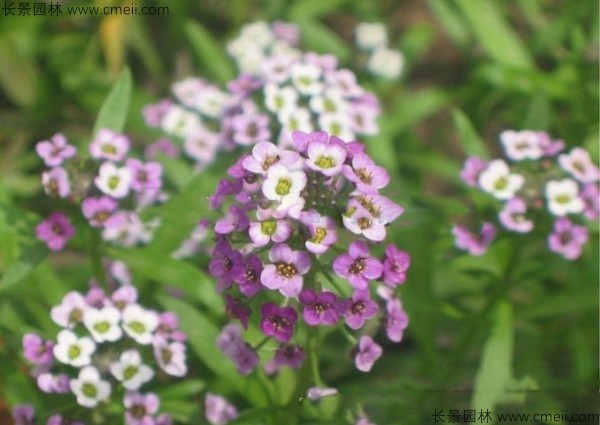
{"x": 383, "y": 61}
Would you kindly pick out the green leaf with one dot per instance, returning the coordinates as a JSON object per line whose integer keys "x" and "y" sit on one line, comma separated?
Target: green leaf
{"x": 114, "y": 110}
{"x": 494, "y": 383}
{"x": 323, "y": 40}
{"x": 167, "y": 271}
{"x": 184, "y": 389}
{"x": 538, "y": 113}
{"x": 452, "y": 21}
{"x": 31, "y": 256}
{"x": 18, "y": 75}
{"x": 208, "y": 51}
{"x": 413, "y": 108}
{"x": 468, "y": 135}
{"x": 313, "y": 8}
{"x": 493, "y": 32}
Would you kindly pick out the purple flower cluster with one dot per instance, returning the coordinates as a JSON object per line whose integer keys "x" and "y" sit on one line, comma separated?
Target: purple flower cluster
{"x": 107, "y": 341}
{"x": 295, "y": 245}
{"x": 283, "y": 91}
{"x": 111, "y": 189}
{"x": 537, "y": 181}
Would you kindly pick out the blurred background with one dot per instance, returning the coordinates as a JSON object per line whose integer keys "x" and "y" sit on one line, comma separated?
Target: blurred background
{"x": 519, "y": 316}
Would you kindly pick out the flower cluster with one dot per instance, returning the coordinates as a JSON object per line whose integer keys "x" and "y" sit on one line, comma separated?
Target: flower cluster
{"x": 105, "y": 342}
{"x": 111, "y": 188}
{"x": 382, "y": 60}
{"x": 295, "y": 246}
{"x": 538, "y": 182}
{"x": 288, "y": 90}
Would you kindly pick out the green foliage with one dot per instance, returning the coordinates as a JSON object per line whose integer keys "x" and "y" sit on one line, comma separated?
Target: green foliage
{"x": 114, "y": 110}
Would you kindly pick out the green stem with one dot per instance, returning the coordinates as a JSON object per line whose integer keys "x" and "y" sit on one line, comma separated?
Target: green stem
{"x": 262, "y": 343}
{"x": 95, "y": 253}
{"x": 351, "y": 338}
{"x": 331, "y": 280}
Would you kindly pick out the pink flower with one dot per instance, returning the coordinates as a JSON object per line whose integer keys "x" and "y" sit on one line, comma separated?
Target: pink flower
{"x": 358, "y": 266}
{"x": 278, "y": 322}
{"x": 475, "y": 244}
{"x": 109, "y": 145}
{"x": 368, "y": 351}
{"x": 218, "y": 411}
{"x": 56, "y": 231}
{"x": 579, "y": 164}
{"x": 285, "y": 274}
{"x": 56, "y": 182}
{"x": 567, "y": 238}
{"x": 55, "y": 150}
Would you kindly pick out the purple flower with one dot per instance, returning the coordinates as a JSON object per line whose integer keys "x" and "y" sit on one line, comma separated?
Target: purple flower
{"x": 317, "y": 393}
{"x": 288, "y": 355}
{"x": 322, "y": 230}
{"x": 250, "y": 129}
{"x": 224, "y": 188}
{"x": 368, "y": 351}
{"x": 55, "y": 231}
{"x": 395, "y": 266}
{"x": 285, "y": 31}
{"x": 168, "y": 326}
{"x": 54, "y": 384}
{"x": 266, "y": 154}
{"x": 567, "y": 238}
{"x": 285, "y": 274}
{"x": 140, "y": 408}
{"x": 56, "y": 182}
{"x": 579, "y": 164}
{"x": 226, "y": 264}
{"x": 232, "y": 345}
{"x": 244, "y": 85}
{"x": 234, "y": 221}
{"x": 278, "y": 322}
{"x": 124, "y": 296}
{"x": 249, "y": 276}
{"x": 161, "y": 147}
{"x": 109, "y": 145}
{"x": 170, "y": 356}
{"x": 145, "y": 176}
{"x": 591, "y": 200}
{"x": 358, "y": 309}
{"x": 319, "y": 308}
{"x": 358, "y": 266}
{"x": 61, "y": 420}
{"x": 513, "y": 216}
{"x": 302, "y": 140}
{"x": 23, "y": 414}
{"x": 154, "y": 114}
{"x": 235, "y": 308}
{"x": 55, "y": 150}
{"x": 473, "y": 166}
{"x": 367, "y": 176}
{"x": 475, "y": 244}
{"x": 98, "y": 210}
{"x": 37, "y": 350}
{"x": 218, "y": 411}
{"x": 550, "y": 147}
{"x": 396, "y": 320}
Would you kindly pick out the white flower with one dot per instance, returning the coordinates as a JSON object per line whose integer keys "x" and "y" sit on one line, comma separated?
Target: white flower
{"x": 188, "y": 91}
{"x": 201, "y": 145}
{"x": 131, "y": 371}
{"x": 337, "y": 125}
{"x": 563, "y": 197}
{"x": 499, "y": 181}
{"x": 259, "y": 33}
{"x": 72, "y": 350}
{"x": 103, "y": 324}
{"x": 276, "y": 69}
{"x": 520, "y": 145}
{"x": 331, "y": 102}
{"x": 306, "y": 78}
{"x": 296, "y": 119}
{"x": 109, "y": 145}
{"x": 139, "y": 323}
{"x": 328, "y": 159}
{"x": 170, "y": 356}
{"x": 280, "y": 99}
{"x": 89, "y": 388}
{"x": 370, "y": 35}
{"x": 179, "y": 121}
{"x": 283, "y": 183}
{"x": 212, "y": 102}
{"x": 113, "y": 181}
{"x": 580, "y": 165}
{"x": 386, "y": 63}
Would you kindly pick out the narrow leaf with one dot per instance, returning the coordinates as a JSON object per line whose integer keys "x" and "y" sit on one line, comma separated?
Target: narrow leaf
{"x": 113, "y": 113}
{"x": 494, "y": 33}
{"x": 30, "y": 257}
{"x": 468, "y": 135}
{"x": 208, "y": 51}
{"x": 323, "y": 40}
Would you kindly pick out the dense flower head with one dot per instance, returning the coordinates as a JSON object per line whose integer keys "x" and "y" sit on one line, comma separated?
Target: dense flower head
{"x": 540, "y": 188}
{"x": 112, "y": 188}
{"x": 108, "y": 341}
{"x": 280, "y": 89}
{"x": 296, "y": 247}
